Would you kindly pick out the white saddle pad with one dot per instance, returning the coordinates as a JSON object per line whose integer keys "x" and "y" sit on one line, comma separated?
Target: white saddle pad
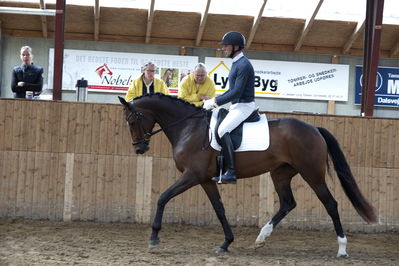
{"x": 255, "y": 135}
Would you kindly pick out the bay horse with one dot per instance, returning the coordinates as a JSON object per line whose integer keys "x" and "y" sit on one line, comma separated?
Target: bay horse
{"x": 295, "y": 147}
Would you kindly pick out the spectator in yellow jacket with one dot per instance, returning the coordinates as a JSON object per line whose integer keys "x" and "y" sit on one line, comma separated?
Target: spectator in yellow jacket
{"x": 197, "y": 86}
{"x": 146, "y": 83}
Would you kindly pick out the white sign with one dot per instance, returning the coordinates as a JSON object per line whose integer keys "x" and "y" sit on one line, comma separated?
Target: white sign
{"x": 113, "y": 72}
{"x": 281, "y": 79}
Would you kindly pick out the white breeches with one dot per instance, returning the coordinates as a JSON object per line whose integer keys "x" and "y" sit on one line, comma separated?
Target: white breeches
{"x": 238, "y": 112}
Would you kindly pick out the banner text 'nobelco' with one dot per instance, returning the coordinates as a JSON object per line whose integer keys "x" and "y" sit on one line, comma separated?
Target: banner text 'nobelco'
{"x": 113, "y": 71}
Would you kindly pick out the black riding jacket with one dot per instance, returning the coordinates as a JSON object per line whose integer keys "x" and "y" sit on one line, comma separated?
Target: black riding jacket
{"x": 32, "y": 77}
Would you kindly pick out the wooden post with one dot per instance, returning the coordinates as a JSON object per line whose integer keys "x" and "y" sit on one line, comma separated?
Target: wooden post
{"x": 331, "y": 104}
{"x": 143, "y": 189}
{"x": 68, "y": 188}
{"x": 331, "y": 107}
{"x": 1, "y": 56}
{"x": 58, "y": 49}
{"x": 182, "y": 51}
{"x": 374, "y": 12}
{"x": 266, "y": 199}
{"x": 218, "y": 52}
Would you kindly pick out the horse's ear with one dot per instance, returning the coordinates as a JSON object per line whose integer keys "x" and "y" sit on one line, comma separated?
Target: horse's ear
{"x": 122, "y": 100}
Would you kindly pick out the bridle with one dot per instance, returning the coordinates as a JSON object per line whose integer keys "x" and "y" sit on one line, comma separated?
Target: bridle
{"x": 138, "y": 117}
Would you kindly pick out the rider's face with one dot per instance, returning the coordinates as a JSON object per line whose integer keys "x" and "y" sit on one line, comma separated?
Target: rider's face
{"x": 227, "y": 49}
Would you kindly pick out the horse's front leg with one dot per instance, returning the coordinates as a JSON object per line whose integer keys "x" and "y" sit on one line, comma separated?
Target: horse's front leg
{"x": 185, "y": 182}
{"x": 213, "y": 194}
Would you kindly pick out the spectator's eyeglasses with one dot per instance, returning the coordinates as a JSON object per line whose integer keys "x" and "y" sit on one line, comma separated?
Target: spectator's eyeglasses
{"x": 148, "y": 70}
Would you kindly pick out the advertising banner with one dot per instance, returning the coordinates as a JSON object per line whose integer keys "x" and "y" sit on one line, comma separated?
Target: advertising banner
{"x": 387, "y": 86}
{"x": 281, "y": 79}
{"x": 113, "y": 71}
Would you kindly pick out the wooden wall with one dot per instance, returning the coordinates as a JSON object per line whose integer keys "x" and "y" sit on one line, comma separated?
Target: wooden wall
{"x": 74, "y": 161}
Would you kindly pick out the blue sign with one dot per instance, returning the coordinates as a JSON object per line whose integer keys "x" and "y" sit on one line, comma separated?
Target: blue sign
{"x": 387, "y": 86}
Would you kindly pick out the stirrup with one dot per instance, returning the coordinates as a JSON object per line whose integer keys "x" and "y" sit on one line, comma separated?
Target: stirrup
{"x": 229, "y": 179}
{"x": 216, "y": 179}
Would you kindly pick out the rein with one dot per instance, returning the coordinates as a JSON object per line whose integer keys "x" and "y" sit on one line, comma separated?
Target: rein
{"x": 147, "y": 135}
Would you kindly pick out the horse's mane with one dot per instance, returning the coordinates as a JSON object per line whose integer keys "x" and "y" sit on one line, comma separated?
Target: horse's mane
{"x": 174, "y": 99}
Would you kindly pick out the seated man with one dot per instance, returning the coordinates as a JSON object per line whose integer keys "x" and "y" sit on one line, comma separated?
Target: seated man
{"x": 197, "y": 86}
{"x": 146, "y": 83}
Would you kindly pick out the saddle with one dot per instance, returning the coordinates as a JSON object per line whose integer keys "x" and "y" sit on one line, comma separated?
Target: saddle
{"x": 236, "y": 134}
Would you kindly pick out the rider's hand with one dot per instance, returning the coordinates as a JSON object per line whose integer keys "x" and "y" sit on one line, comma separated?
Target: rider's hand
{"x": 210, "y": 104}
{"x": 204, "y": 97}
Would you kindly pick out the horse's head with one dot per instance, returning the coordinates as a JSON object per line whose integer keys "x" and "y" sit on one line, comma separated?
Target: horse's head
{"x": 140, "y": 126}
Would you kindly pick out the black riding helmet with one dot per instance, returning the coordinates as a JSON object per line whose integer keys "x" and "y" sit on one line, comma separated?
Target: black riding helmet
{"x": 234, "y": 38}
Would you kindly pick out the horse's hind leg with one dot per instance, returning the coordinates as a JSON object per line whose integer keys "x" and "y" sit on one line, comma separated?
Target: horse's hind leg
{"x": 323, "y": 193}
{"x": 281, "y": 177}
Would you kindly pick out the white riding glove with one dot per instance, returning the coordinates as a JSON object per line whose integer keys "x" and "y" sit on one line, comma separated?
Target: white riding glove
{"x": 209, "y": 104}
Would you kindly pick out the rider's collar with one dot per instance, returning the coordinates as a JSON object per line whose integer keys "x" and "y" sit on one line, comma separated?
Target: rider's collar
{"x": 235, "y": 59}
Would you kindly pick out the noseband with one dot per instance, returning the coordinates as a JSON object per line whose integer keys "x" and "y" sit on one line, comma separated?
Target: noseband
{"x": 138, "y": 119}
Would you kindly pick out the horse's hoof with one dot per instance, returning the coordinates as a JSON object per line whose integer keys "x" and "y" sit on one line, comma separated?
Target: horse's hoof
{"x": 221, "y": 251}
{"x": 259, "y": 244}
{"x": 343, "y": 256}
{"x": 153, "y": 243}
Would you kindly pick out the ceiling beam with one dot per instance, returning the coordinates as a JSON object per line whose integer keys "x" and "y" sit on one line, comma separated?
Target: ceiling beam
{"x": 96, "y": 19}
{"x": 395, "y": 49}
{"x": 355, "y": 34}
{"x": 27, "y": 11}
{"x": 256, "y": 24}
{"x": 42, "y": 6}
{"x": 202, "y": 25}
{"x": 280, "y": 48}
{"x": 149, "y": 22}
{"x": 307, "y": 27}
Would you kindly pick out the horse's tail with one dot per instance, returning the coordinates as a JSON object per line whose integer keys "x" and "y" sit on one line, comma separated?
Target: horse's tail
{"x": 341, "y": 166}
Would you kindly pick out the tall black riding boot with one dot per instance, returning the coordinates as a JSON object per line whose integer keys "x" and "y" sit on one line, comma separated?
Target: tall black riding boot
{"x": 229, "y": 177}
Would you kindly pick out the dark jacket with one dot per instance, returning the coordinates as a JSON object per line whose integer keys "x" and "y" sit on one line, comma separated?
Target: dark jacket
{"x": 32, "y": 77}
{"x": 241, "y": 83}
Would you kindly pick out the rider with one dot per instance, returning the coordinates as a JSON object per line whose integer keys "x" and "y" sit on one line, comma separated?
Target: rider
{"x": 241, "y": 95}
